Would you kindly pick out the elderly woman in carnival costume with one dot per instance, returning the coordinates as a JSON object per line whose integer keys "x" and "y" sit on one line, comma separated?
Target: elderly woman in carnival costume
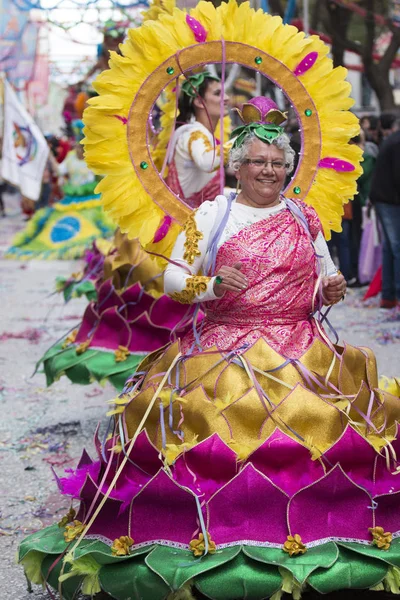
{"x": 194, "y": 153}
{"x": 275, "y": 302}
{"x": 247, "y": 459}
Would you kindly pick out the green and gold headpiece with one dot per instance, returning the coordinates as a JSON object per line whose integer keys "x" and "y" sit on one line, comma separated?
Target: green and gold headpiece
{"x": 262, "y": 117}
{"x": 191, "y": 85}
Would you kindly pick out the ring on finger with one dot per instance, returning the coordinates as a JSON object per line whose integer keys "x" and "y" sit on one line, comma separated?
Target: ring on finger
{"x": 219, "y": 279}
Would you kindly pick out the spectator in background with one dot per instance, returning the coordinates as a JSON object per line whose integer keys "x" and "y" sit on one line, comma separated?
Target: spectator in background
{"x": 372, "y": 135}
{"x": 340, "y": 244}
{"x": 388, "y": 124}
{"x": 365, "y": 123}
{"x": 360, "y": 200}
{"x": 385, "y": 197}
{"x": 347, "y": 242}
{"x": 50, "y": 172}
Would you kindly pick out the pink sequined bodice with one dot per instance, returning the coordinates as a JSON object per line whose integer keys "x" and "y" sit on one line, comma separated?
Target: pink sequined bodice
{"x": 279, "y": 262}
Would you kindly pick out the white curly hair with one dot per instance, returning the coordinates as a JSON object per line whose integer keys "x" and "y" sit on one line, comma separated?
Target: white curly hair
{"x": 237, "y": 156}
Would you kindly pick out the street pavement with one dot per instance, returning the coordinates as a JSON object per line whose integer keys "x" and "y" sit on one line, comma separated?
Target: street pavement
{"x": 43, "y": 428}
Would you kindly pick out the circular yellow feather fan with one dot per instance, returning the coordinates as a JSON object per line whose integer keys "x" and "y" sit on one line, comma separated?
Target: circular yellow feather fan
{"x": 157, "y": 53}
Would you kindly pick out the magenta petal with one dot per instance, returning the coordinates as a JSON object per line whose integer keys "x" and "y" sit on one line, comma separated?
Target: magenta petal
{"x": 145, "y": 338}
{"x": 111, "y": 522}
{"x": 89, "y": 321}
{"x": 145, "y": 455}
{"x": 200, "y": 34}
{"x": 333, "y": 507}
{"x": 112, "y": 331}
{"x": 163, "y": 511}
{"x": 167, "y": 313}
{"x": 306, "y": 64}
{"x": 286, "y": 463}
{"x": 385, "y": 481}
{"x": 337, "y": 164}
{"x": 165, "y": 223}
{"x": 206, "y": 467}
{"x": 355, "y": 455}
{"x": 143, "y": 464}
{"x": 107, "y": 297}
{"x": 84, "y": 460}
{"x": 387, "y": 511}
{"x": 249, "y": 507}
{"x": 136, "y": 301}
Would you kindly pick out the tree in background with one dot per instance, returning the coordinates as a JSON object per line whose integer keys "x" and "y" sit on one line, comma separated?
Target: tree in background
{"x": 357, "y": 27}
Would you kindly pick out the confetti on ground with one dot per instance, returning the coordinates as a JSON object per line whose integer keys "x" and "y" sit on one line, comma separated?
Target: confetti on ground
{"x": 32, "y": 335}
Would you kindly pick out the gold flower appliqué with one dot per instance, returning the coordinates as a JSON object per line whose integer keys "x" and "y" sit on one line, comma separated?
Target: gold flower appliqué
{"x": 381, "y": 538}
{"x": 193, "y": 236}
{"x": 195, "y": 286}
{"x": 294, "y": 546}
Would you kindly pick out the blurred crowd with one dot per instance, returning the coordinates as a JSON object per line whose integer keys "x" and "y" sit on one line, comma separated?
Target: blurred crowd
{"x": 368, "y": 248}
{"x": 53, "y": 177}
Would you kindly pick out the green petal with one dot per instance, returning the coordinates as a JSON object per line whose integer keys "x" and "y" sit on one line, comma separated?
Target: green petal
{"x": 391, "y": 556}
{"x": 91, "y": 365}
{"x": 49, "y": 540}
{"x": 350, "y": 571}
{"x": 103, "y": 554}
{"x": 132, "y": 579}
{"x": 240, "y": 578}
{"x": 32, "y": 563}
{"x": 51, "y": 574}
{"x": 302, "y": 565}
{"x": 176, "y": 567}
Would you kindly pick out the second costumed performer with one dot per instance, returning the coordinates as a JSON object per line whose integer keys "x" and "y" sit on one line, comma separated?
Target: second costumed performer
{"x": 194, "y": 153}
{"x": 129, "y": 315}
{"x": 253, "y": 457}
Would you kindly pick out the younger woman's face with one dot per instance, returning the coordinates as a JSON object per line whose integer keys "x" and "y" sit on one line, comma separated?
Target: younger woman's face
{"x": 212, "y": 100}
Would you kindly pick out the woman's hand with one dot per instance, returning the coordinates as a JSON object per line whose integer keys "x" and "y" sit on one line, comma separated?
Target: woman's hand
{"x": 230, "y": 279}
{"x": 333, "y": 289}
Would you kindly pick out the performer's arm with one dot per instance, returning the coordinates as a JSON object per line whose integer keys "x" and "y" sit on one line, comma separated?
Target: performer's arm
{"x": 183, "y": 280}
{"x": 203, "y": 153}
{"x": 327, "y": 264}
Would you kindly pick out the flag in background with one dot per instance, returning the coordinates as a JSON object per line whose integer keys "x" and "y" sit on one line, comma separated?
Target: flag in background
{"x": 25, "y": 149}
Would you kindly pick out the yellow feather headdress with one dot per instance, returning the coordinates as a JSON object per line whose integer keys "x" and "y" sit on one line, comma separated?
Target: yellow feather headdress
{"x": 157, "y": 53}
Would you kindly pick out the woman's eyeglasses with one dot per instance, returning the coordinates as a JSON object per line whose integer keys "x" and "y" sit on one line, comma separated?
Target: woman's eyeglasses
{"x": 257, "y": 163}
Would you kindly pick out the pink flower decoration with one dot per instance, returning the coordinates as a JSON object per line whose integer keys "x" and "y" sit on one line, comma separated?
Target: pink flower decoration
{"x": 163, "y": 229}
{"x": 306, "y": 64}
{"x": 200, "y": 34}
{"x": 342, "y": 166}
{"x": 123, "y": 120}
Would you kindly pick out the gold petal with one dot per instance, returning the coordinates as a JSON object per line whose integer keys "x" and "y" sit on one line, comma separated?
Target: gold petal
{"x": 276, "y": 116}
{"x": 250, "y": 113}
{"x": 246, "y": 418}
{"x": 317, "y": 421}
